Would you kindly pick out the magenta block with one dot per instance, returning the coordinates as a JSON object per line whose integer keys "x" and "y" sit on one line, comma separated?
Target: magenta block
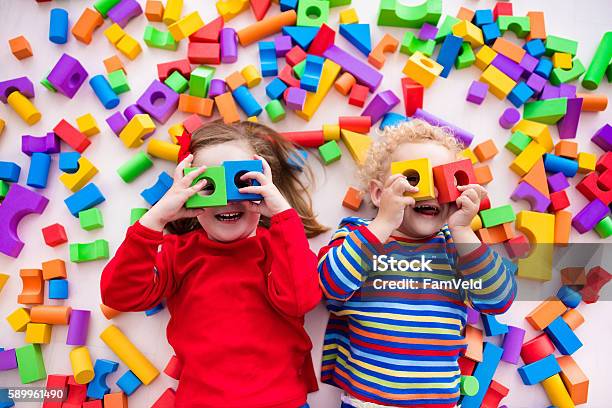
{"x": 557, "y": 182}
{"x": 509, "y": 118}
{"x": 18, "y": 203}
{"x": 463, "y": 136}
{"x": 536, "y": 82}
{"x": 507, "y": 66}
{"x": 567, "y": 91}
{"x": 295, "y": 98}
{"x": 513, "y": 341}
{"x": 132, "y": 111}
{"x": 588, "y": 217}
{"x": 159, "y": 101}
{"x": 568, "y": 125}
{"x": 427, "y": 32}
{"x": 537, "y": 200}
{"x": 364, "y": 74}
{"x": 123, "y": 12}
{"x": 45, "y": 144}
{"x": 21, "y": 84}
{"x": 603, "y": 137}
{"x": 116, "y": 122}
{"x": 529, "y": 63}
{"x": 477, "y": 92}
{"x": 382, "y": 103}
{"x": 78, "y": 327}
{"x": 283, "y": 45}
{"x": 229, "y": 45}
{"x": 550, "y": 92}
{"x": 8, "y": 360}
{"x": 217, "y": 87}
{"x": 67, "y": 75}
{"x": 472, "y": 316}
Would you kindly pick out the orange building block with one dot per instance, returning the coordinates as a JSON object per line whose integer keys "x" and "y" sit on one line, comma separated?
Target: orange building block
{"x": 154, "y": 10}
{"x": 536, "y": 177}
{"x": 113, "y": 64}
{"x": 575, "y": 380}
{"x": 33, "y": 292}
{"x": 50, "y": 314}
{"x": 465, "y": 13}
{"x": 108, "y": 311}
{"x": 227, "y": 108}
{"x": 345, "y": 83}
{"x": 194, "y": 104}
{"x": 486, "y": 150}
{"x": 235, "y": 80}
{"x": 567, "y": 148}
{"x": 592, "y": 102}
{"x": 545, "y": 313}
{"x": 266, "y": 27}
{"x": 537, "y": 28}
{"x": 85, "y": 26}
{"x": 55, "y": 268}
{"x": 573, "y": 318}
{"x": 509, "y": 49}
{"x": 483, "y": 175}
{"x": 20, "y": 47}
{"x": 573, "y": 276}
{"x": 377, "y": 56}
{"x": 352, "y": 199}
{"x": 115, "y": 400}
{"x": 563, "y": 226}
{"x": 473, "y": 340}
{"x": 497, "y": 234}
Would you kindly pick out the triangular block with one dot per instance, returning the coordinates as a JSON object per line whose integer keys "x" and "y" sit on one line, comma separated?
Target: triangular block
{"x": 260, "y": 8}
{"x": 357, "y": 144}
{"x": 209, "y": 33}
{"x": 536, "y": 177}
{"x": 358, "y": 35}
{"x": 302, "y": 36}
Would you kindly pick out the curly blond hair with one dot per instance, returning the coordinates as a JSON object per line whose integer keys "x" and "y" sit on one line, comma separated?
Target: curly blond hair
{"x": 378, "y": 159}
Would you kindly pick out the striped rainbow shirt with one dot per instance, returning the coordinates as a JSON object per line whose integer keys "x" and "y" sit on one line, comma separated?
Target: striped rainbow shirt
{"x": 400, "y": 347}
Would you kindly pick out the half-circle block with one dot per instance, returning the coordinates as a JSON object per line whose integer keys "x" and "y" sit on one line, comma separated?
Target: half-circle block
{"x": 97, "y": 388}
{"x": 393, "y": 13}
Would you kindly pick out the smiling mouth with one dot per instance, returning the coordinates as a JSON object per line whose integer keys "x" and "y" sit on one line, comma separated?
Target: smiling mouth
{"x": 427, "y": 209}
{"x": 229, "y": 216}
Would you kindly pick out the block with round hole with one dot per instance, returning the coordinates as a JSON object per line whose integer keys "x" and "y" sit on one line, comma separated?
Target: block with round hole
{"x": 419, "y": 174}
{"x": 312, "y": 13}
{"x": 448, "y": 176}
{"x": 236, "y": 169}
{"x": 214, "y": 194}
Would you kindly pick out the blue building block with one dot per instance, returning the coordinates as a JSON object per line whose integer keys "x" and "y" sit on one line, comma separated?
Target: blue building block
{"x": 9, "y": 171}
{"x": 520, "y": 94}
{"x": 449, "y": 51}
{"x": 267, "y": 58}
{"x": 490, "y": 32}
{"x": 39, "y": 170}
{"x": 359, "y": 36}
{"x": 482, "y": 17}
{"x": 544, "y": 68}
{"x": 128, "y": 383}
{"x": 104, "y": 91}
{"x": 302, "y": 36}
{"x": 154, "y": 193}
{"x": 155, "y": 310}
{"x": 69, "y": 161}
{"x": 392, "y": 119}
{"x": 556, "y": 164}
{"x": 491, "y": 355}
{"x": 58, "y": 26}
{"x": 535, "y": 48}
{"x": 286, "y": 5}
{"x": 492, "y": 327}
{"x": 563, "y": 337}
{"x": 297, "y": 159}
{"x": 84, "y": 199}
{"x": 275, "y": 88}
{"x": 539, "y": 370}
{"x": 58, "y": 289}
{"x": 312, "y": 73}
{"x": 246, "y": 101}
{"x": 569, "y": 297}
{"x": 233, "y": 171}
{"x": 97, "y": 387}
{"x": 5, "y": 401}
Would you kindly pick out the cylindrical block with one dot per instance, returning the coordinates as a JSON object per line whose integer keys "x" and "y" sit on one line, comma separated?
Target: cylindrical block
{"x": 468, "y": 385}
{"x": 82, "y": 368}
{"x": 39, "y": 170}
{"x": 50, "y": 314}
{"x": 345, "y": 83}
{"x": 108, "y": 311}
{"x": 573, "y": 318}
{"x": 217, "y": 87}
{"x": 58, "y": 26}
{"x": 509, "y": 118}
{"x": 132, "y": 111}
{"x": 599, "y": 63}
{"x": 246, "y": 101}
{"x": 513, "y": 340}
{"x": 251, "y": 75}
{"x": 23, "y": 107}
{"x": 331, "y": 132}
{"x": 593, "y": 102}
{"x": 537, "y": 348}
{"x": 266, "y": 27}
{"x": 78, "y": 327}
{"x": 138, "y": 164}
{"x": 557, "y": 393}
{"x": 359, "y": 124}
{"x": 163, "y": 150}
{"x": 104, "y": 92}
{"x": 129, "y": 354}
{"x": 229, "y": 45}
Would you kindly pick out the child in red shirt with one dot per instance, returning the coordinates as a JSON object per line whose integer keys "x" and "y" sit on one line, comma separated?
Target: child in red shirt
{"x": 238, "y": 279}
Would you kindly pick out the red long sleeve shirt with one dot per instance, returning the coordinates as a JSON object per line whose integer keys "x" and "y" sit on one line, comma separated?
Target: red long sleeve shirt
{"x": 236, "y": 309}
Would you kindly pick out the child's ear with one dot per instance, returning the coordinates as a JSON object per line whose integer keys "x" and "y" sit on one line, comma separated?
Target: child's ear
{"x": 376, "y": 189}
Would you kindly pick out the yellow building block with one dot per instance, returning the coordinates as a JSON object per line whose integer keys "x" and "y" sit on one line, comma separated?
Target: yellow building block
{"x": 252, "y": 119}
{"x": 476, "y": 223}
{"x": 499, "y": 83}
{"x": 537, "y": 131}
{"x": 357, "y": 144}
{"x": 3, "y": 278}
{"x": 114, "y": 33}
{"x": 87, "y": 125}
{"x": 82, "y": 367}
{"x": 77, "y": 180}
{"x": 229, "y": 9}
{"x": 138, "y": 127}
{"x": 557, "y": 393}
{"x": 19, "y": 319}
{"x": 539, "y": 228}
{"x": 417, "y": 171}
{"x": 422, "y": 69}
{"x": 38, "y": 333}
{"x": 562, "y": 60}
{"x": 173, "y": 11}
{"x": 586, "y": 162}
{"x": 469, "y": 154}
{"x": 186, "y": 26}
{"x": 175, "y": 131}
{"x": 163, "y": 150}
{"x": 23, "y": 107}
{"x": 331, "y": 132}
{"x": 484, "y": 57}
{"x": 527, "y": 159}
{"x": 251, "y": 75}
{"x": 129, "y": 47}
{"x": 349, "y": 16}
{"x": 313, "y": 100}
{"x": 469, "y": 32}
{"x": 2, "y": 125}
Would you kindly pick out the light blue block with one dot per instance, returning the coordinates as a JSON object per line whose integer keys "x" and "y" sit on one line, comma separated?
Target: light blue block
{"x": 544, "y": 68}
{"x": 128, "y": 383}
{"x": 484, "y": 371}
{"x": 569, "y": 297}
{"x": 233, "y": 171}
{"x": 492, "y": 327}
{"x": 9, "y": 171}
{"x": 540, "y": 370}
{"x": 563, "y": 337}
{"x": 535, "y": 48}
{"x": 246, "y": 101}
{"x": 69, "y": 161}
{"x": 97, "y": 387}
{"x": 267, "y": 58}
{"x": 482, "y": 17}
{"x": 39, "y": 170}
{"x": 58, "y": 289}
{"x": 490, "y": 32}
{"x": 558, "y": 164}
{"x": 84, "y": 199}
{"x": 275, "y": 89}
{"x": 520, "y": 94}
{"x": 392, "y": 119}
{"x": 155, "y": 309}
{"x": 312, "y": 73}
{"x": 449, "y": 51}
{"x": 104, "y": 91}
{"x": 58, "y": 26}
{"x": 154, "y": 193}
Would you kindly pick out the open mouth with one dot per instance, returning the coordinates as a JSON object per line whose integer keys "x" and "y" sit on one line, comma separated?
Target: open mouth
{"x": 427, "y": 209}
{"x": 229, "y": 216}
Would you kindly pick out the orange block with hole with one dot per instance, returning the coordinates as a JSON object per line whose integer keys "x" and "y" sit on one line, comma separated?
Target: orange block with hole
{"x": 566, "y": 148}
{"x": 509, "y": 49}
{"x": 53, "y": 269}
{"x": 545, "y": 313}
{"x": 227, "y": 108}
{"x": 575, "y": 380}
{"x": 235, "y": 80}
{"x": 483, "y": 175}
{"x": 536, "y": 177}
{"x": 473, "y": 340}
{"x": 113, "y": 64}
{"x": 377, "y": 56}
{"x": 486, "y": 150}
{"x": 537, "y": 27}
{"x": 20, "y": 47}
{"x": 345, "y": 83}
{"x": 154, "y": 10}
{"x": 563, "y": 227}
{"x": 85, "y": 26}
{"x": 352, "y": 199}
{"x": 194, "y": 104}
{"x": 33, "y": 292}
{"x": 573, "y": 318}
{"x": 465, "y": 13}
{"x": 497, "y": 234}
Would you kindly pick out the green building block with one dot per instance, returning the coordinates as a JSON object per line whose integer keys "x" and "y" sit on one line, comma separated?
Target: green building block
{"x": 469, "y": 385}
{"x": 298, "y": 69}
{"x": 91, "y": 251}
{"x": 562, "y": 76}
{"x": 446, "y": 28}
{"x": 518, "y": 142}
{"x": 466, "y": 57}
{"x": 159, "y": 39}
{"x": 558, "y": 44}
{"x": 312, "y": 13}
{"x": 609, "y": 73}
{"x": 337, "y": 3}
{"x": 136, "y": 214}
{"x": 103, "y": 6}
{"x": 519, "y": 25}
{"x": 497, "y": 216}
{"x": 411, "y": 44}
{"x": 330, "y": 152}
{"x": 134, "y": 167}
{"x": 118, "y": 81}
{"x": 177, "y": 82}
{"x": 548, "y": 111}
{"x": 45, "y": 82}
{"x": 599, "y": 63}
{"x": 275, "y": 110}
{"x": 215, "y": 177}
{"x": 91, "y": 219}
{"x": 4, "y": 187}
{"x": 199, "y": 81}
{"x": 30, "y": 362}
{"x": 394, "y": 14}
{"x": 604, "y": 227}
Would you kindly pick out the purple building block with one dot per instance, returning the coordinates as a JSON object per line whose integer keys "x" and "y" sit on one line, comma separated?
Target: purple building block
{"x": 67, "y": 75}
{"x": 382, "y": 103}
{"x": 461, "y": 135}
{"x": 427, "y": 32}
{"x": 537, "y": 200}
{"x": 568, "y": 125}
{"x": 557, "y": 182}
{"x": 45, "y": 144}
{"x": 283, "y": 45}
{"x": 116, "y": 122}
{"x": 78, "y": 327}
{"x": 509, "y": 118}
{"x": 159, "y": 101}
{"x": 536, "y": 82}
{"x": 8, "y": 360}
{"x": 18, "y": 203}
{"x": 217, "y": 87}
{"x": 529, "y": 63}
{"x": 513, "y": 341}
{"x": 229, "y": 45}
{"x": 123, "y": 12}
{"x": 364, "y": 74}
{"x": 603, "y": 137}
{"x": 132, "y": 111}
{"x": 567, "y": 91}
{"x": 588, "y": 217}
{"x": 472, "y": 316}
{"x": 507, "y": 66}
{"x": 550, "y": 92}
{"x": 21, "y": 84}
{"x": 477, "y": 92}
{"x": 295, "y": 98}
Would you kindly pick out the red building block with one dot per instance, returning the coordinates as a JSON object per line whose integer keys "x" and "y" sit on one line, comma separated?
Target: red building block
{"x": 559, "y": 201}
{"x": 322, "y": 41}
{"x": 71, "y": 136}
{"x": 413, "y": 95}
{"x": 591, "y": 189}
{"x": 537, "y": 348}
{"x": 494, "y": 395}
{"x": 358, "y": 95}
{"x": 173, "y": 368}
{"x": 166, "y": 400}
{"x": 166, "y": 69}
{"x": 204, "y": 53}
{"x": 448, "y": 176}
{"x": 517, "y": 247}
{"x": 502, "y": 9}
{"x": 54, "y": 235}
{"x": 595, "y": 280}
{"x": 295, "y": 56}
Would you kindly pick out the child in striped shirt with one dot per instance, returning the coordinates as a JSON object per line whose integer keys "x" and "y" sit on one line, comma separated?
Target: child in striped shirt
{"x": 393, "y": 345}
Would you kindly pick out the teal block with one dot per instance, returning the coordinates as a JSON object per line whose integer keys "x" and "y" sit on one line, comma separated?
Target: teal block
{"x": 215, "y": 192}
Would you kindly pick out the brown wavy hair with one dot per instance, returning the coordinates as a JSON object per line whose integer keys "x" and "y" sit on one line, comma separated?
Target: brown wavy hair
{"x": 270, "y": 145}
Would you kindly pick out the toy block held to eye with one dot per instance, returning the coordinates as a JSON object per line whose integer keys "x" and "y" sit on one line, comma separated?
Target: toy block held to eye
{"x": 216, "y": 185}
{"x": 448, "y": 176}
{"x": 233, "y": 171}
{"x": 419, "y": 174}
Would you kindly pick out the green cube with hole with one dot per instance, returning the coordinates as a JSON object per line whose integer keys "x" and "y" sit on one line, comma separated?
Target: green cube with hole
{"x": 330, "y": 152}
{"x": 312, "y": 13}
{"x": 214, "y": 193}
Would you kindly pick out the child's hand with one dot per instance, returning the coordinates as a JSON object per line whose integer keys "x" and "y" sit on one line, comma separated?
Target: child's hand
{"x": 273, "y": 201}
{"x": 467, "y": 205}
{"x": 392, "y": 204}
{"x": 171, "y": 206}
